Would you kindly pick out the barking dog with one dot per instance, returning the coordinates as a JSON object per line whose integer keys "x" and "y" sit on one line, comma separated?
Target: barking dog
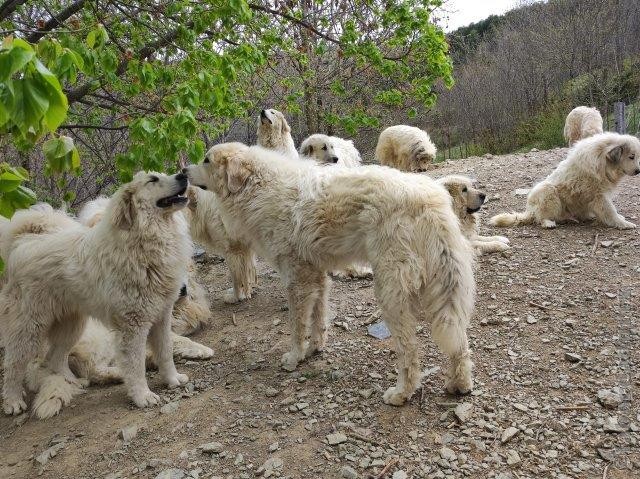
{"x": 308, "y": 219}
{"x": 274, "y": 133}
{"x": 126, "y": 271}
{"x": 467, "y": 202}
{"x": 582, "y": 186}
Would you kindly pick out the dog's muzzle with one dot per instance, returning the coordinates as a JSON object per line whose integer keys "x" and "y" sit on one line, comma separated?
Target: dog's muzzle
{"x": 177, "y": 198}
{"x": 263, "y": 117}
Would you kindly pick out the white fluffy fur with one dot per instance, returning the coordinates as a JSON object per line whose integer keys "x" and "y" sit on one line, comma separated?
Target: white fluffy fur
{"x": 582, "y": 122}
{"x": 127, "y": 271}
{"x": 306, "y": 219}
{"x": 274, "y": 133}
{"x": 582, "y": 186}
{"x": 331, "y": 150}
{"x": 406, "y": 148}
{"x": 207, "y": 228}
{"x": 467, "y": 201}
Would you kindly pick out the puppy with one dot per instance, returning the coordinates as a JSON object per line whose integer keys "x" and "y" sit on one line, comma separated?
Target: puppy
{"x": 306, "y": 219}
{"x": 467, "y": 202}
{"x": 126, "y": 271}
{"x": 274, "y": 133}
{"x": 582, "y": 186}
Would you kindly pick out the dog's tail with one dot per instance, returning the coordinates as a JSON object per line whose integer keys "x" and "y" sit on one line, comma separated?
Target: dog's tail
{"x": 512, "y": 219}
{"x": 53, "y": 391}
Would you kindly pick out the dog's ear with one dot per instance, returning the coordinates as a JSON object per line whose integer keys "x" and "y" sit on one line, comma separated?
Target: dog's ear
{"x": 124, "y": 211}
{"x": 615, "y": 153}
{"x": 285, "y": 126}
{"x": 237, "y": 174}
{"x": 307, "y": 150}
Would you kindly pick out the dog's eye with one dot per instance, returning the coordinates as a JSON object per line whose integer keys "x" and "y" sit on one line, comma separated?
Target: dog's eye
{"x": 464, "y": 190}
{"x": 324, "y": 148}
{"x": 632, "y": 157}
{"x": 206, "y": 160}
{"x": 153, "y": 179}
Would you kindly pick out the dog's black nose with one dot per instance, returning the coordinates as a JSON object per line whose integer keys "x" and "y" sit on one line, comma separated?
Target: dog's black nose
{"x": 183, "y": 291}
{"x": 263, "y": 113}
{"x": 636, "y": 172}
{"x": 482, "y": 197}
{"x": 334, "y": 159}
{"x": 185, "y": 171}
{"x": 182, "y": 177}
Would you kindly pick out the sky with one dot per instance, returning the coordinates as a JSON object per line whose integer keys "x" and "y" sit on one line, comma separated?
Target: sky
{"x": 464, "y": 12}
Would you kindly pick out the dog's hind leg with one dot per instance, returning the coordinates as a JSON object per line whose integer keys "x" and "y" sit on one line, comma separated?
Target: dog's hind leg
{"x": 242, "y": 267}
{"x": 451, "y": 337}
{"x": 63, "y": 335}
{"x": 319, "y": 318}
{"x": 303, "y": 289}
{"x": 162, "y": 347}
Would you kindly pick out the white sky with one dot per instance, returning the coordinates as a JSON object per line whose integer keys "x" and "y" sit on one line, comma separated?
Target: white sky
{"x": 464, "y": 12}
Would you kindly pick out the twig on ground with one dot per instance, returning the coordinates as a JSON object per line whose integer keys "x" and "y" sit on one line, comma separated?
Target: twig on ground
{"x": 606, "y": 470}
{"x": 387, "y": 468}
{"x": 233, "y": 319}
{"x": 363, "y": 438}
{"x": 595, "y": 244}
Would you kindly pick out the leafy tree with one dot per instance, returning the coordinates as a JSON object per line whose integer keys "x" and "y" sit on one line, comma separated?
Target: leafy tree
{"x": 174, "y": 74}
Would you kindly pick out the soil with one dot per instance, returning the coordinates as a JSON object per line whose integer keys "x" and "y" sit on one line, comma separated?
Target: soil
{"x": 556, "y": 323}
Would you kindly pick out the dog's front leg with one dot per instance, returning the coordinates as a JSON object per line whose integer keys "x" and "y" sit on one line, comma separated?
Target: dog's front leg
{"x": 606, "y": 213}
{"x": 132, "y": 365}
{"x": 162, "y": 347}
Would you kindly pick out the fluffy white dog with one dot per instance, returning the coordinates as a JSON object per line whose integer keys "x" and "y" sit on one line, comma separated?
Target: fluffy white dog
{"x": 406, "y": 148}
{"x": 274, "y": 133}
{"x": 127, "y": 271}
{"x": 331, "y": 150}
{"x": 307, "y": 219}
{"x": 582, "y": 186}
{"x": 582, "y": 122}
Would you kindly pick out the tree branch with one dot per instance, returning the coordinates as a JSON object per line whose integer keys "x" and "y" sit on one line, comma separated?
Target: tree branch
{"x": 9, "y": 6}
{"x": 92, "y": 127}
{"x": 56, "y": 20}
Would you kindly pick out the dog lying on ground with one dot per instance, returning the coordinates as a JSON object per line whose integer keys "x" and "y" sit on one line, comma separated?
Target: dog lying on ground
{"x": 207, "y": 228}
{"x": 306, "y": 219}
{"x": 331, "y": 150}
{"x": 406, "y": 148}
{"x": 127, "y": 271}
{"x": 274, "y": 133}
{"x": 582, "y": 185}
{"x": 467, "y": 202}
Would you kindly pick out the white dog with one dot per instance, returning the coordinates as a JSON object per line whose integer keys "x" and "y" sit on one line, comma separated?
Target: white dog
{"x": 274, "y": 133}
{"x": 582, "y": 186}
{"x": 307, "y": 219}
{"x": 406, "y": 148}
{"x": 467, "y": 201}
{"x": 582, "y": 122}
{"x": 127, "y": 271}
{"x": 207, "y": 228}
{"x": 331, "y": 150}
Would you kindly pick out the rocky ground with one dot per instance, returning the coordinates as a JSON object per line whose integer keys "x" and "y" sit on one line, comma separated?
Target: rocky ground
{"x": 556, "y": 348}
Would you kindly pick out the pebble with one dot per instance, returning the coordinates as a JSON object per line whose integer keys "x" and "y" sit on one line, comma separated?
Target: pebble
{"x": 508, "y": 434}
{"x": 611, "y": 424}
{"x": 47, "y": 454}
{"x": 609, "y": 398}
{"x": 463, "y": 411}
{"x": 128, "y": 433}
{"x": 348, "y": 472}
{"x": 337, "y": 438}
{"x": 448, "y": 454}
{"x": 270, "y": 465}
{"x": 521, "y": 192}
{"x": 212, "y": 448}
{"x": 172, "y": 474}
{"x": 513, "y": 457}
{"x": 271, "y": 392}
{"x": 399, "y": 475}
{"x": 169, "y": 407}
{"x": 573, "y": 357}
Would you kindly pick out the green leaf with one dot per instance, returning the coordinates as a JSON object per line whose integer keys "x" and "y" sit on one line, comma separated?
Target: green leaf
{"x": 61, "y": 154}
{"x": 9, "y": 181}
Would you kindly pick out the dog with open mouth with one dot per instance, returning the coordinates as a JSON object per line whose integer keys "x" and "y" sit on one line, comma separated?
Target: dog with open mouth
{"x": 126, "y": 271}
{"x": 467, "y": 202}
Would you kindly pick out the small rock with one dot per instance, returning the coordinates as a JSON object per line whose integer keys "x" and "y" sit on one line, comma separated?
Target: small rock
{"x": 337, "y": 438}
{"x": 271, "y": 464}
{"x": 172, "y": 474}
{"x": 606, "y": 244}
{"x": 274, "y": 447}
{"x": 399, "y": 475}
{"x": 573, "y": 357}
{"x": 513, "y": 457}
{"x": 169, "y": 408}
{"x": 128, "y": 433}
{"x": 47, "y": 454}
{"x": 379, "y": 330}
{"x": 448, "y": 454}
{"x": 463, "y": 411}
{"x": 531, "y": 319}
{"x": 508, "y": 434}
{"x": 212, "y": 448}
{"x": 271, "y": 392}
{"x": 609, "y": 398}
{"x": 611, "y": 424}
{"x": 610, "y": 295}
{"x": 239, "y": 460}
{"x": 348, "y": 473}
{"x": 521, "y": 191}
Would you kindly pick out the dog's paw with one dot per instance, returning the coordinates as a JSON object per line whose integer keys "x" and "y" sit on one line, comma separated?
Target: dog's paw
{"x": 14, "y": 407}
{"x": 146, "y": 398}
{"x": 193, "y": 351}
{"x": 48, "y": 408}
{"x": 459, "y": 385}
{"x": 548, "y": 224}
{"x": 394, "y": 397}
{"x": 503, "y": 239}
{"x": 177, "y": 380}
{"x": 626, "y": 225}
{"x": 230, "y": 297}
{"x": 289, "y": 361}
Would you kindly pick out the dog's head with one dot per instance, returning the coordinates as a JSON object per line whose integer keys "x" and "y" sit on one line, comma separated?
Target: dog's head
{"x": 223, "y": 170}
{"x": 148, "y": 196}
{"x": 624, "y": 155}
{"x": 466, "y": 198}
{"x": 420, "y": 158}
{"x": 272, "y": 123}
{"x": 320, "y": 148}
